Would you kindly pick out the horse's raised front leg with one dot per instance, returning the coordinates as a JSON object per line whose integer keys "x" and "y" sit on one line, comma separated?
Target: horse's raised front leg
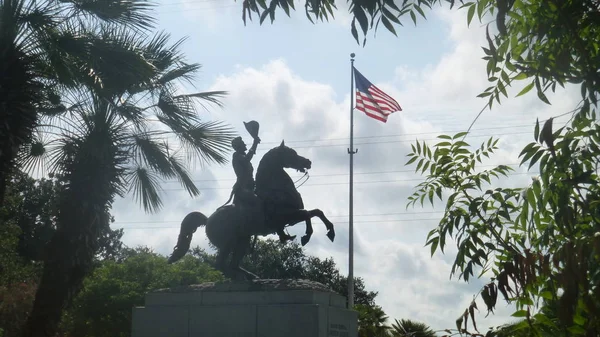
{"x": 328, "y": 224}
{"x": 306, "y": 216}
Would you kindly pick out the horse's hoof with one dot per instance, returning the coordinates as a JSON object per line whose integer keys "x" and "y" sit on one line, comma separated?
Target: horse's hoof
{"x": 331, "y": 235}
{"x": 304, "y": 240}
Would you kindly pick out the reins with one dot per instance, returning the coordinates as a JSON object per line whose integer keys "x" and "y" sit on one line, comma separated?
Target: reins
{"x": 305, "y": 175}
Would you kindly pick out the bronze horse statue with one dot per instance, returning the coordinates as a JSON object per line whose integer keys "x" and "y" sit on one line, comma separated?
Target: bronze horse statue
{"x": 231, "y": 227}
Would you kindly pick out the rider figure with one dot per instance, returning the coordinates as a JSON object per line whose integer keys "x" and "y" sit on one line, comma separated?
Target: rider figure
{"x": 243, "y": 190}
{"x": 244, "y": 186}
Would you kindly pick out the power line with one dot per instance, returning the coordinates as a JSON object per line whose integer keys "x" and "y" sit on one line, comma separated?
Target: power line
{"x": 329, "y": 174}
{"x": 330, "y": 216}
{"x": 298, "y": 224}
{"x": 195, "y": 9}
{"x": 343, "y": 183}
{"x": 188, "y": 2}
{"x": 406, "y": 134}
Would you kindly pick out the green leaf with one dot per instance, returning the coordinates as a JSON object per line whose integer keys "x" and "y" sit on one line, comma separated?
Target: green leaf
{"x": 413, "y": 17}
{"x": 579, "y": 320}
{"x": 390, "y": 15}
{"x": 526, "y": 89}
{"x": 531, "y": 197}
{"x": 543, "y": 97}
{"x": 521, "y": 76}
{"x": 528, "y": 150}
{"x": 470, "y": 14}
{"x": 353, "y": 30}
{"x": 419, "y": 164}
{"x": 481, "y": 7}
{"x": 459, "y": 135}
{"x": 576, "y": 330}
{"x": 505, "y": 77}
{"x": 520, "y": 313}
{"x": 536, "y": 157}
{"x": 412, "y": 160}
{"x": 434, "y": 244}
{"x": 418, "y": 8}
{"x": 547, "y": 295}
{"x": 388, "y": 25}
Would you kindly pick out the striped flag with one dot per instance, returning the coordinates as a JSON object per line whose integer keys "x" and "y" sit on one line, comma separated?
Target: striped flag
{"x": 372, "y": 101}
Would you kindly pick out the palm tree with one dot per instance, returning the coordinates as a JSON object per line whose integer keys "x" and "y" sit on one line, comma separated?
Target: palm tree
{"x": 371, "y": 321}
{"x": 116, "y": 137}
{"x": 46, "y": 45}
{"x": 410, "y": 328}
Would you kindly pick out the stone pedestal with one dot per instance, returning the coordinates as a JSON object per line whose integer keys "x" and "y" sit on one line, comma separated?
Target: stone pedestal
{"x": 260, "y": 308}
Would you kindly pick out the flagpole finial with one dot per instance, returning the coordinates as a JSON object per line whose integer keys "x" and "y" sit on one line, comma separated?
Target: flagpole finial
{"x": 352, "y": 55}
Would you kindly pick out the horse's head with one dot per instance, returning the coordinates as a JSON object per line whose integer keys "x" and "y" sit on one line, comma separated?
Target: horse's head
{"x": 289, "y": 158}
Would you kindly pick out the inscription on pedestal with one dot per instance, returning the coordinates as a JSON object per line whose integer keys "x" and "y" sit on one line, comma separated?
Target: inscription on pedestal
{"x": 338, "y": 330}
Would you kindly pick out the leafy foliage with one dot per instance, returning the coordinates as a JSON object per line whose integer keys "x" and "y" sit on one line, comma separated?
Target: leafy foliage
{"x": 371, "y": 321}
{"x": 539, "y": 242}
{"x": 16, "y": 300}
{"x": 124, "y": 126}
{"x": 104, "y": 307}
{"x": 47, "y": 45}
{"x": 32, "y": 205}
{"x": 410, "y": 328}
{"x": 139, "y": 130}
{"x": 270, "y": 259}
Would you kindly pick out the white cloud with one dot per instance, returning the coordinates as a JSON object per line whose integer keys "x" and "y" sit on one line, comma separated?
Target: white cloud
{"x": 389, "y": 240}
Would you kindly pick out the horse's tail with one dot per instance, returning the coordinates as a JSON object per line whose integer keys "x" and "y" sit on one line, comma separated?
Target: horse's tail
{"x": 190, "y": 223}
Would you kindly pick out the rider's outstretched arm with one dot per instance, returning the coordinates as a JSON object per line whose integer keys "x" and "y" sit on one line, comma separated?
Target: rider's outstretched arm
{"x": 252, "y": 150}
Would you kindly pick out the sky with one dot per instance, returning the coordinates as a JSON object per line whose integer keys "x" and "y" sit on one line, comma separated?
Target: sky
{"x": 293, "y": 77}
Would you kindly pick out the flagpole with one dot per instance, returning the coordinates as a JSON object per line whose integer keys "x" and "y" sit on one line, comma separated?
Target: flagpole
{"x": 351, "y": 152}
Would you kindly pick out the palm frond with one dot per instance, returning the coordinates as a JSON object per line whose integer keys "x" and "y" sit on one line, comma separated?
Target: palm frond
{"x": 209, "y": 141}
{"x": 39, "y": 16}
{"x": 162, "y": 55}
{"x": 130, "y": 13}
{"x": 131, "y": 113}
{"x": 10, "y": 11}
{"x": 183, "y": 175}
{"x": 61, "y": 153}
{"x": 145, "y": 186}
{"x": 175, "y": 112}
{"x": 116, "y": 60}
{"x": 208, "y": 96}
{"x": 62, "y": 51}
{"x": 147, "y": 152}
{"x": 20, "y": 91}
{"x": 34, "y": 154}
{"x": 182, "y": 72}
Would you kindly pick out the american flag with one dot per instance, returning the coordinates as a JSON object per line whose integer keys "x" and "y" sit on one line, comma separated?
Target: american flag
{"x": 372, "y": 101}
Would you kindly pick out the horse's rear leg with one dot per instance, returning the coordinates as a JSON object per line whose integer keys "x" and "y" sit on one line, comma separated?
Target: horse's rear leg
{"x": 220, "y": 260}
{"x": 239, "y": 251}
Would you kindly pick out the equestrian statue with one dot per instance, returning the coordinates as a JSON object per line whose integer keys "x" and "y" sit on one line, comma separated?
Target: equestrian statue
{"x": 260, "y": 207}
